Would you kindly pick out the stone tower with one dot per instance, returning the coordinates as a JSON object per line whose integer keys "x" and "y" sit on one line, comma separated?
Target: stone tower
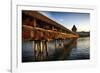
{"x": 74, "y": 28}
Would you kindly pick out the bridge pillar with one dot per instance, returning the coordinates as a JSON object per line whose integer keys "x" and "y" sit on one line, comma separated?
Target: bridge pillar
{"x": 62, "y": 43}
{"x": 55, "y": 43}
{"x": 40, "y": 49}
{"x": 45, "y": 48}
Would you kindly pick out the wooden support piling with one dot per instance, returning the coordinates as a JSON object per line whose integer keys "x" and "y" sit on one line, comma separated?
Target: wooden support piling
{"x": 46, "y": 47}
{"x": 55, "y": 44}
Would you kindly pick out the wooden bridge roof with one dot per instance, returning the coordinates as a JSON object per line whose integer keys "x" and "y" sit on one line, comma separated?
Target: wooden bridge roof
{"x": 44, "y": 18}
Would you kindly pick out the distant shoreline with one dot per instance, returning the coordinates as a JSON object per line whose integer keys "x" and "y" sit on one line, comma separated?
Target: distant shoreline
{"x": 84, "y": 34}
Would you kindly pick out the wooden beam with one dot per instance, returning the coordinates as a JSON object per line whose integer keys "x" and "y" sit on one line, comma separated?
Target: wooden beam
{"x": 42, "y": 34}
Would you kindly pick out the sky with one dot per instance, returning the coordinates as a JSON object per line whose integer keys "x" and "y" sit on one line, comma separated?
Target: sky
{"x": 68, "y": 19}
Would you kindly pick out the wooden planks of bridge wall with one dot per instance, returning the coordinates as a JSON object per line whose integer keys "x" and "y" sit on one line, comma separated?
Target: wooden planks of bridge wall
{"x": 35, "y": 33}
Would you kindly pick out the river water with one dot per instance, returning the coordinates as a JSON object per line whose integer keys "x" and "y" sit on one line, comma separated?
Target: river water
{"x": 82, "y": 51}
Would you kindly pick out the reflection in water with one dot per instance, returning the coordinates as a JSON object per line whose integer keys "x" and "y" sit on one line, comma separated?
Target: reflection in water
{"x": 81, "y": 52}
{"x": 83, "y": 49}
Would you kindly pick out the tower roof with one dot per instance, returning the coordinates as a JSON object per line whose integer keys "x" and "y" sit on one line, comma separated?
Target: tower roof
{"x": 74, "y": 28}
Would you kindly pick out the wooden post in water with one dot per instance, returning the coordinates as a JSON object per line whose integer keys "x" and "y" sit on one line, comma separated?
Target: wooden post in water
{"x": 38, "y": 48}
{"x": 55, "y": 44}
{"x": 41, "y": 50}
{"x": 35, "y": 49}
{"x": 41, "y": 46}
{"x": 46, "y": 47}
{"x": 62, "y": 43}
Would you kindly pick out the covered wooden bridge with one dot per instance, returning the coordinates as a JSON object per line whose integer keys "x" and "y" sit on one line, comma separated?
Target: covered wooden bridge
{"x": 40, "y": 29}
